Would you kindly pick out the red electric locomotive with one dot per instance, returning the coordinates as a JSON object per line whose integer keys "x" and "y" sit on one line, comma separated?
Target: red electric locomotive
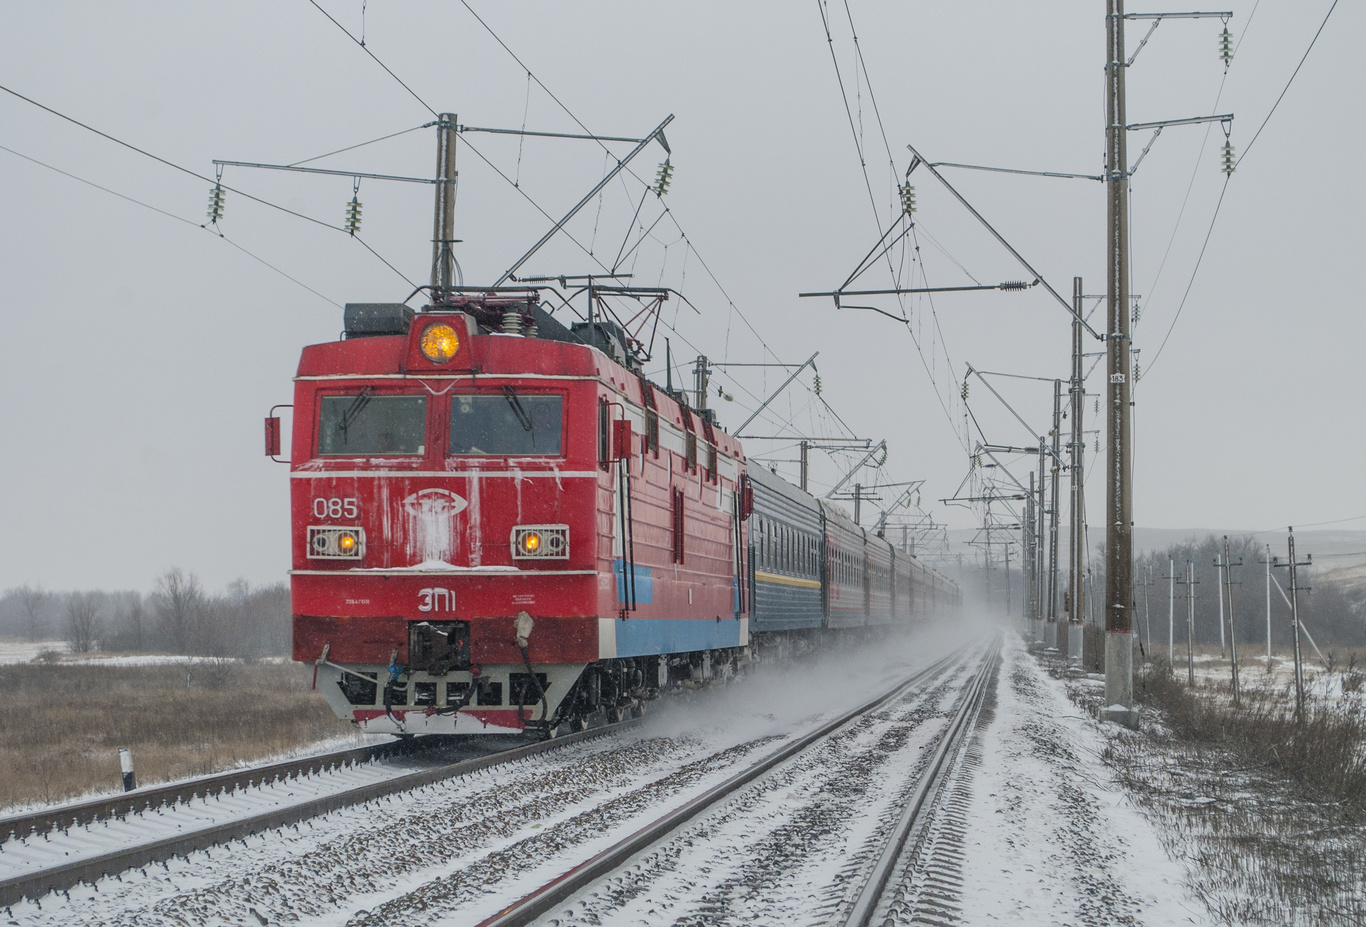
{"x": 486, "y": 504}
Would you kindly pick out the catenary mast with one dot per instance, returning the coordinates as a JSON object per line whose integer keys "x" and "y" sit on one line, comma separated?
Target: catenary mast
{"x": 1119, "y": 653}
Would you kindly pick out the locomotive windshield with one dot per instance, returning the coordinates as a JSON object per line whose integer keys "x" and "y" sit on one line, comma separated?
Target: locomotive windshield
{"x": 507, "y": 424}
{"x": 363, "y": 424}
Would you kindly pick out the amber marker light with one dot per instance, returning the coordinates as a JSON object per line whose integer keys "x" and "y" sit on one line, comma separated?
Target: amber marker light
{"x": 439, "y": 342}
{"x": 346, "y": 543}
{"x": 531, "y": 542}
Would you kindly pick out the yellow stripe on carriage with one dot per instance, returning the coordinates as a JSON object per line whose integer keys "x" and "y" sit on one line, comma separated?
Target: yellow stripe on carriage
{"x": 787, "y": 580}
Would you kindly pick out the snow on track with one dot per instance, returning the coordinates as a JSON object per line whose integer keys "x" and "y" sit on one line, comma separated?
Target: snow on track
{"x": 787, "y": 848}
{"x": 458, "y": 850}
{"x": 1050, "y": 838}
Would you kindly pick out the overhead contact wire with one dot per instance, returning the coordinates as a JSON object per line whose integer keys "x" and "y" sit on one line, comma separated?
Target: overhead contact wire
{"x": 367, "y": 50}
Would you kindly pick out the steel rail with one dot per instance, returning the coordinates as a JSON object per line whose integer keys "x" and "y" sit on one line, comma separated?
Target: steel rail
{"x": 153, "y": 797}
{"x": 58, "y": 878}
{"x": 934, "y": 777}
{"x": 561, "y": 888}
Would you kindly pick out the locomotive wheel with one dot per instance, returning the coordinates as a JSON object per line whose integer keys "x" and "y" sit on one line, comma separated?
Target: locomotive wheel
{"x": 638, "y": 710}
{"x": 614, "y": 715}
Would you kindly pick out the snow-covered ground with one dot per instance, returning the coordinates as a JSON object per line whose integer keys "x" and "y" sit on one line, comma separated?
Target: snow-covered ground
{"x": 1050, "y": 838}
{"x": 1045, "y": 833}
{"x": 17, "y": 651}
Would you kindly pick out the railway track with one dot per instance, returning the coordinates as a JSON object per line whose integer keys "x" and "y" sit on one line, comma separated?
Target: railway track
{"x": 458, "y": 843}
{"x": 605, "y": 881}
{"x": 56, "y": 849}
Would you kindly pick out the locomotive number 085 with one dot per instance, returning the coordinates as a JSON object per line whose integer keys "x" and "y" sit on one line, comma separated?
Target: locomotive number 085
{"x": 336, "y": 508}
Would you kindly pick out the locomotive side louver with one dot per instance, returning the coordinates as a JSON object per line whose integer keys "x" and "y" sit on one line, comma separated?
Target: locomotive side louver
{"x": 327, "y": 543}
{"x": 540, "y": 542}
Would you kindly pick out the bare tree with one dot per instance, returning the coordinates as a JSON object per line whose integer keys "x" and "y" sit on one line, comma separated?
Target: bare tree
{"x": 179, "y": 604}
{"x": 34, "y": 600}
{"x": 135, "y": 618}
{"x": 82, "y": 620}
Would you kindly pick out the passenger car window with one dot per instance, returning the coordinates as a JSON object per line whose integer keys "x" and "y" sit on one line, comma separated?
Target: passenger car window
{"x": 507, "y": 424}
{"x": 363, "y": 424}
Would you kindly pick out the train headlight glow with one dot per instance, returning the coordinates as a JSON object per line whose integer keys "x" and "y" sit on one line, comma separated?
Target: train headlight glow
{"x": 540, "y": 542}
{"x": 439, "y": 342}
{"x": 328, "y": 543}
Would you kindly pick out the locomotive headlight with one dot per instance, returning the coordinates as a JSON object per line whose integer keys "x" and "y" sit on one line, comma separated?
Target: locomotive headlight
{"x": 326, "y": 542}
{"x": 439, "y": 342}
{"x": 540, "y": 542}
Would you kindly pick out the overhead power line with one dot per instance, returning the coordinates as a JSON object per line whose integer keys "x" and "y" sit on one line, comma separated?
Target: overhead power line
{"x": 667, "y": 211}
{"x": 218, "y": 233}
{"x": 367, "y": 50}
{"x": 1288, "y": 83}
{"x": 1224, "y": 189}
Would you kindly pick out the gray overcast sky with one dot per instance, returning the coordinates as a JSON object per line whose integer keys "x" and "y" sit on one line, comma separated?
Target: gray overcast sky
{"x": 141, "y": 352}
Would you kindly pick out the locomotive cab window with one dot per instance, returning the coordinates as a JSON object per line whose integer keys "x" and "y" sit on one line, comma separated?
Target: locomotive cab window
{"x": 364, "y": 424}
{"x": 507, "y": 424}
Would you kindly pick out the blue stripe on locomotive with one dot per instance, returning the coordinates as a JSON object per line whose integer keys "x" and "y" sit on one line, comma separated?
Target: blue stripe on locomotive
{"x": 644, "y": 583}
{"x": 639, "y": 637}
{"x": 779, "y": 606}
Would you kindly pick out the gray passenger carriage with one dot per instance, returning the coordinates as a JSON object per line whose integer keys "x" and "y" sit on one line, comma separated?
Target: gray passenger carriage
{"x": 786, "y": 552}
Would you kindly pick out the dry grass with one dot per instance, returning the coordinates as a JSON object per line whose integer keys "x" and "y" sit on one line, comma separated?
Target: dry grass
{"x": 1323, "y": 754}
{"x": 1268, "y": 813}
{"x": 62, "y": 724}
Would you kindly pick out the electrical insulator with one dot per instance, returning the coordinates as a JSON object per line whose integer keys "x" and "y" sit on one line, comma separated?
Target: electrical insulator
{"x": 1229, "y": 161}
{"x": 1138, "y": 313}
{"x": 964, "y": 391}
{"x": 662, "y": 179}
{"x": 817, "y": 384}
{"x": 352, "y": 225}
{"x": 883, "y": 459}
{"x": 1138, "y": 373}
{"x": 907, "y": 198}
{"x": 1226, "y": 47}
{"x": 1097, "y": 408}
{"x": 1097, "y": 444}
{"x": 216, "y": 196}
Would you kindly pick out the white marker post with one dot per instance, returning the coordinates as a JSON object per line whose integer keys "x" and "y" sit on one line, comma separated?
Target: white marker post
{"x": 130, "y": 781}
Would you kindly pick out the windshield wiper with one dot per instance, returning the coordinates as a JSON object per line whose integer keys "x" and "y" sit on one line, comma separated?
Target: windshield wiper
{"x": 522, "y": 418}
{"x": 354, "y": 410}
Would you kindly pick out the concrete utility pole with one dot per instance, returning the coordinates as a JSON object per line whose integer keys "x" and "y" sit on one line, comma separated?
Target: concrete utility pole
{"x": 1191, "y": 583}
{"x": 1007, "y": 558}
{"x": 1295, "y": 622}
{"x": 1232, "y": 637}
{"x": 1053, "y": 519}
{"x": 1047, "y": 629}
{"x": 1119, "y": 552}
{"x": 443, "y": 225}
{"x": 1219, "y": 581}
{"x": 1027, "y": 560}
{"x": 1267, "y": 561}
{"x": 1076, "y": 549}
{"x": 1171, "y": 611}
